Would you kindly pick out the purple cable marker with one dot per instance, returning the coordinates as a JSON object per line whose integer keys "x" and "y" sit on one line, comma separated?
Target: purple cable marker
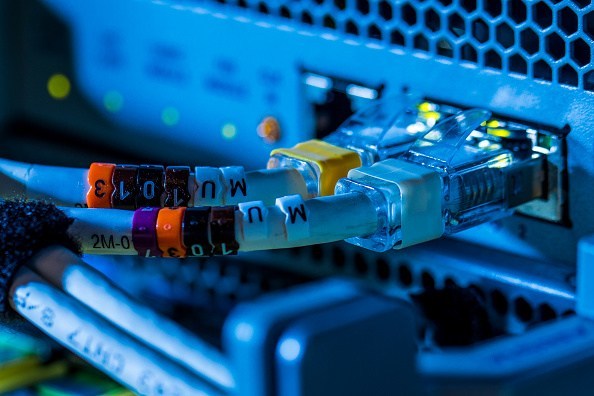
{"x": 144, "y": 232}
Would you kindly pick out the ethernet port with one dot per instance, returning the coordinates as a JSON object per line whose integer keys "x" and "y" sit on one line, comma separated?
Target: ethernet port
{"x": 332, "y": 100}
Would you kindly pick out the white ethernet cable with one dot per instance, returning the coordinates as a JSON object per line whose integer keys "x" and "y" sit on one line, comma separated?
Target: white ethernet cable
{"x": 204, "y": 231}
{"x": 384, "y": 129}
{"x": 454, "y": 177}
{"x": 71, "y": 186}
{"x": 101, "y": 343}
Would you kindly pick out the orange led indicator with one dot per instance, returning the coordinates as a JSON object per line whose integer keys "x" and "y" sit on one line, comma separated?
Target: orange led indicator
{"x": 100, "y": 185}
{"x": 169, "y": 232}
{"x": 269, "y": 130}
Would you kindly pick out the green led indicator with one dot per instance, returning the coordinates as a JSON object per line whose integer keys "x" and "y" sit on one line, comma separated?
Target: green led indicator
{"x": 113, "y": 101}
{"x": 229, "y": 131}
{"x": 170, "y": 116}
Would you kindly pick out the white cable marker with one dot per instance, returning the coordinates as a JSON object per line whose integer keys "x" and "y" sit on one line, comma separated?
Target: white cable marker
{"x": 231, "y": 185}
{"x": 125, "y": 359}
{"x": 253, "y": 220}
{"x": 296, "y": 217}
{"x": 60, "y": 185}
{"x": 210, "y": 186}
{"x": 236, "y": 188}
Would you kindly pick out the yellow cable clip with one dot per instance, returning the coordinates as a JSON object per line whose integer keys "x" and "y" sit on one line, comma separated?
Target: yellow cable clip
{"x": 333, "y": 162}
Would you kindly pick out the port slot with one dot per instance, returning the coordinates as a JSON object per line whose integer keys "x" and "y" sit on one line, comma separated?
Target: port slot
{"x": 332, "y": 100}
{"x": 534, "y": 138}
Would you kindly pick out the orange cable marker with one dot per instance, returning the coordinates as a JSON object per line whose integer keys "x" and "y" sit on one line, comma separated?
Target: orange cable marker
{"x": 100, "y": 185}
{"x": 169, "y": 232}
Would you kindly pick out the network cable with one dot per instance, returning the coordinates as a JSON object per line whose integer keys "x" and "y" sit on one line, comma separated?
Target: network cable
{"x": 310, "y": 169}
{"x": 43, "y": 280}
{"x": 454, "y": 177}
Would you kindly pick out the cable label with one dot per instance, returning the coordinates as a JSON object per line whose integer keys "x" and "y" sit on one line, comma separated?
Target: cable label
{"x": 296, "y": 216}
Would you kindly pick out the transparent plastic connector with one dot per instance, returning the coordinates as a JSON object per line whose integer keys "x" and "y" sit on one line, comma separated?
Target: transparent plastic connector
{"x": 386, "y": 128}
{"x": 456, "y": 176}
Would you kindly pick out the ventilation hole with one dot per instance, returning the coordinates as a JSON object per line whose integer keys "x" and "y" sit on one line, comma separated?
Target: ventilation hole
{"x": 319, "y": 1}
{"x": 306, "y": 18}
{"x": 317, "y": 253}
{"x": 480, "y": 31}
{"x": 542, "y": 71}
{"x": 329, "y": 22}
{"x": 589, "y": 24}
{"x": 427, "y": 280}
{"x": 523, "y": 309}
{"x": 397, "y": 38}
{"x": 589, "y": 81}
{"x": 456, "y": 25}
{"x": 468, "y": 5}
{"x": 338, "y": 257}
{"x": 517, "y": 64}
{"x": 516, "y": 10}
{"x": 361, "y": 265}
{"x": 363, "y": 6}
{"x": 285, "y": 13}
{"x": 409, "y": 15}
{"x": 468, "y": 53}
{"x": 385, "y": 10}
{"x": 405, "y": 276}
{"x": 582, "y": 3}
{"x": 567, "y": 21}
{"x": 546, "y": 312}
{"x": 445, "y": 2}
{"x": 242, "y": 3}
{"x": 568, "y": 76}
{"x": 432, "y": 20}
{"x": 351, "y": 28}
{"x": 555, "y": 46}
{"x": 493, "y": 7}
{"x": 580, "y": 52}
{"x": 265, "y": 284}
{"x": 421, "y": 43}
{"x": 263, "y": 9}
{"x": 444, "y": 48}
{"x": 529, "y": 41}
{"x": 505, "y": 35}
{"x": 499, "y": 302}
{"x": 492, "y": 59}
{"x": 374, "y": 32}
{"x": 221, "y": 1}
{"x": 382, "y": 269}
{"x": 449, "y": 282}
{"x": 340, "y": 4}
{"x": 542, "y": 14}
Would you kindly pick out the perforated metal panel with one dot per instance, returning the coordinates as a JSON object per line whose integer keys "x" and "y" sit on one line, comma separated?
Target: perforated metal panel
{"x": 543, "y": 40}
